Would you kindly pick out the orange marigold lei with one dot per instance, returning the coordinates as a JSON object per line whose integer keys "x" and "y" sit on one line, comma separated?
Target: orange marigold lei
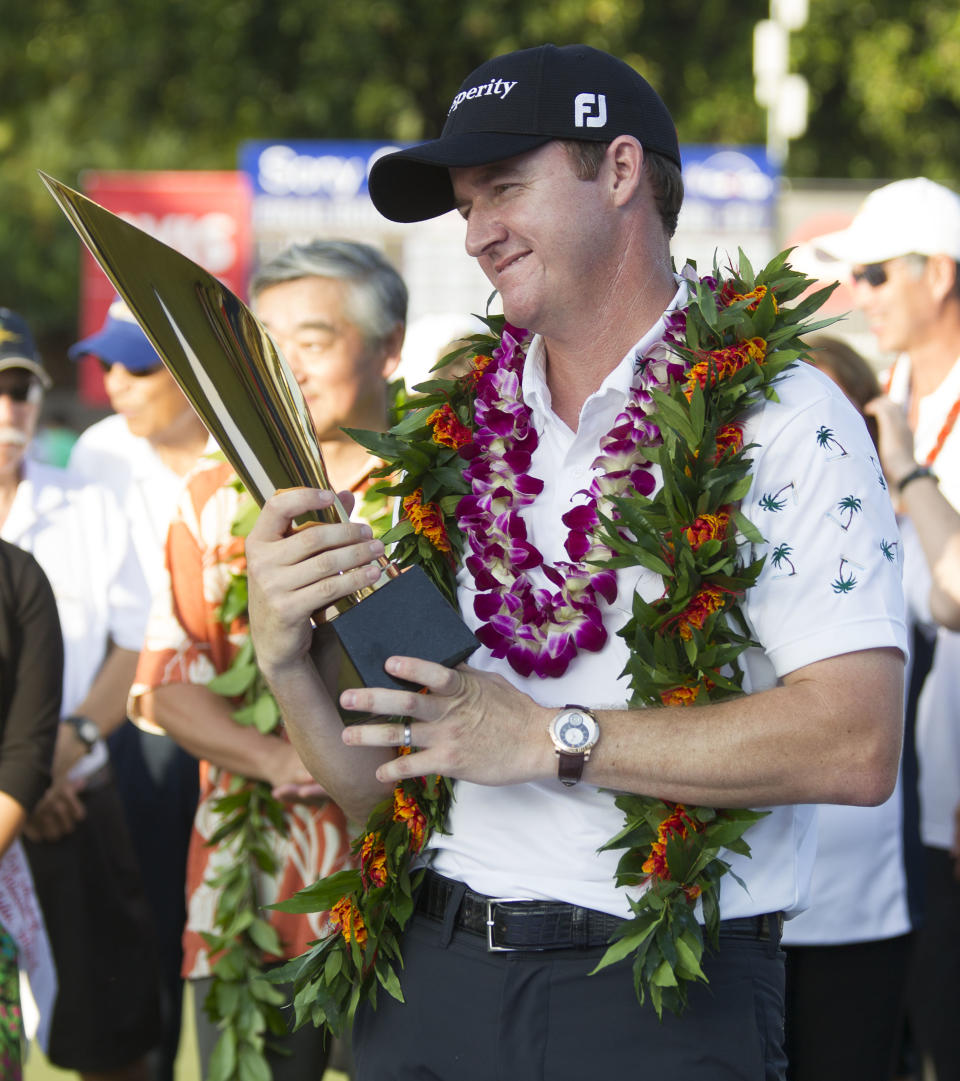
{"x": 345, "y": 917}
{"x": 426, "y": 518}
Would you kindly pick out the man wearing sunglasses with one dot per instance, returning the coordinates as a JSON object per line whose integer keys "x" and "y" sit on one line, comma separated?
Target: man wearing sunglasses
{"x": 142, "y": 452}
{"x": 903, "y": 251}
{"x": 105, "y": 1016}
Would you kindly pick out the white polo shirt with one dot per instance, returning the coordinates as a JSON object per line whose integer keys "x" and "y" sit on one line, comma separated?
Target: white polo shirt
{"x": 145, "y": 487}
{"x": 832, "y": 591}
{"x": 79, "y": 536}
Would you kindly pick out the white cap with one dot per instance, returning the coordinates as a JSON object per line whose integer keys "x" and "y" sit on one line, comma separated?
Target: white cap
{"x": 903, "y": 218}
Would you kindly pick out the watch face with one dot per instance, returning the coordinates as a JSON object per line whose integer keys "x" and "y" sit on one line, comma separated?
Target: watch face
{"x": 575, "y": 730}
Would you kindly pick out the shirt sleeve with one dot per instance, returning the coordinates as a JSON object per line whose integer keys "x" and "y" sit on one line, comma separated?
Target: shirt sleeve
{"x": 831, "y": 581}
{"x": 33, "y": 669}
{"x": 185, "y": 641}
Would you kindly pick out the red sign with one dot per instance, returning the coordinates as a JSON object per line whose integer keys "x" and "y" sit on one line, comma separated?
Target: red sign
{"x": 203, "y": 215}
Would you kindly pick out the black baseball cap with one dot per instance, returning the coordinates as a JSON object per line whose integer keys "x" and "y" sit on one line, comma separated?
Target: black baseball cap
{"x": 515, "y": 103}
{"x": 17, "y": 347}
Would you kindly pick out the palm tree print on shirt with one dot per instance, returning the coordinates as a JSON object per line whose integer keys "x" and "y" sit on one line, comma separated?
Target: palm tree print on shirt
{"x": 776, "y": 501}
{"x": 780, "y": 556}
{"x": 889, "y": 549}
{"x": 881, "y": 480}
{"x": 845, "y": 511}
{"x": 827, "y": 440}
{"x": 849, "y": 506}
{"x": 841, "y": 584}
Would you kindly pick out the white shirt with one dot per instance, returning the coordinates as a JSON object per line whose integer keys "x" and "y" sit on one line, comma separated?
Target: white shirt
{"x": 938, "y": 710}
{"x": 79, "y": 536}
{"x": 145, "y": 487}
{"x": 541, "y": 839}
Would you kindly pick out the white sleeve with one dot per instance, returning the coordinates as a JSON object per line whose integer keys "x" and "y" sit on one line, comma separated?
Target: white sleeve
{"x": 831, "y": 583}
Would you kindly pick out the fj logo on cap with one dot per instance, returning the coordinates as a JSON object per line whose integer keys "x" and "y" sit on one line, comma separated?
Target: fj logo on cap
{"x": 590, "y": 110}
{"x": 498, "y": 88}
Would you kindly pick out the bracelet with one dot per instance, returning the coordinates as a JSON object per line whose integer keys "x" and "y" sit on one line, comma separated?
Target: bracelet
{"x": 915, "y": 474}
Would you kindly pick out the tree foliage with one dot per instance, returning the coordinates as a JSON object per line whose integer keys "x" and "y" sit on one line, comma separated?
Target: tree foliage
{"x": 885, "y": 97}
{"x": 135, "y": 84}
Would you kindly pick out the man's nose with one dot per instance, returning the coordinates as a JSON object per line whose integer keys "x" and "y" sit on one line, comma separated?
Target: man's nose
{"x": 484, "y": 229}
{"x": 115, "y": 377}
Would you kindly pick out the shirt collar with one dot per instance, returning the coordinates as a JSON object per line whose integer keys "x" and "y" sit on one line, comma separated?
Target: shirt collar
{"x": 536, "y": 393}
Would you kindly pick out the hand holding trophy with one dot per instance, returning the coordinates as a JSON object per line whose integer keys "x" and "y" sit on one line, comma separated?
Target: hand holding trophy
{"x": 241, "y": 387}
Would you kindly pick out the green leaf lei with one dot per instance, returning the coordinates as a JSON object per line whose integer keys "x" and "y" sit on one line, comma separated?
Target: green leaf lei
{"x": 242, "y": 1001}
{"x": 737, "y": 340}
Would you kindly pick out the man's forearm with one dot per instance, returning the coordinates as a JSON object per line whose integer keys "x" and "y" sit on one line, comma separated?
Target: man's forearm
{"x": 803, "y": 742}
{"x": 938, "y": 527}
{"x": 201, "y": 722}
{"x": 106, "y": 701}
{"x": 316, "y": 730}
{"x": 830, "y": 734}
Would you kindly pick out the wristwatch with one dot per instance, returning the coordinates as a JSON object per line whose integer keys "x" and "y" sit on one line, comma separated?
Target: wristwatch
{"x": 87, "y": 732}
{"x": 575, "y": 733}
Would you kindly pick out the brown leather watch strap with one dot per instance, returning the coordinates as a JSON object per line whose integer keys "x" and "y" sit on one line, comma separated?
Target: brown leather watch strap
{"x": 570, "y": 767}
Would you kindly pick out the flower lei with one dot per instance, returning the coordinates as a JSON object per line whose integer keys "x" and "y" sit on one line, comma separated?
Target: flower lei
{"x": 462, "y": 452}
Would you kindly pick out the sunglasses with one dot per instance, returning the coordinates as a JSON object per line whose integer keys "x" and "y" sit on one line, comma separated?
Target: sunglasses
{"x": 873, "y": 274}
{"x": 108, "y": 365}
{"x": 22, "y": 389}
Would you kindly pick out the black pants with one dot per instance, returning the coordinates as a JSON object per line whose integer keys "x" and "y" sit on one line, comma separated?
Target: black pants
{"x": 845, "y": 1008}
{"x": 101, "y": 935}
{"x": 471, "y": 1015}
{"x": 934, "y": 990}
{"x": 157, "y": 783}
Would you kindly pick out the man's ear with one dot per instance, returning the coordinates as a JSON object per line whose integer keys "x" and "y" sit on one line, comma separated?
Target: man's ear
{"x": 941, "y": 275}
{"x": 625, "y": 160}
{"x": 392, "y": 345}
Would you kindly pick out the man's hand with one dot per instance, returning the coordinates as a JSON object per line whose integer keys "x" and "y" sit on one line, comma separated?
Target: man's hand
{"x": 294, "y": 573}
{"x": 470, "y": 725}
{"x": 289, "y": 778}
{"x": 60, "y": 808}
{"x": 57, "y": 813}
{"x": 895, "y": 440}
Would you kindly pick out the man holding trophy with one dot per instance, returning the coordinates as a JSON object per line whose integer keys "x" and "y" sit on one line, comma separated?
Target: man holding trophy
{"x": 636, "y": 498}
{"x": 631, "y": 394}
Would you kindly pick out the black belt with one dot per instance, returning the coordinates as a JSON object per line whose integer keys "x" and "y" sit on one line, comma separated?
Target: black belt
{"x": 511, "y": 924}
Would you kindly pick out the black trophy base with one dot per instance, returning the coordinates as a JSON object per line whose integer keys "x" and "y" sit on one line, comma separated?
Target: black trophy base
{"x": 406, "y": 617}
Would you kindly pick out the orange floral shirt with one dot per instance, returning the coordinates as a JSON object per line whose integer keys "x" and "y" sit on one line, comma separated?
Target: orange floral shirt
{"x": 186, "y": 643}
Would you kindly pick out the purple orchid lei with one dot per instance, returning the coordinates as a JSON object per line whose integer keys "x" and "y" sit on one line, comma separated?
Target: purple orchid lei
{"x": 540, "y": 630}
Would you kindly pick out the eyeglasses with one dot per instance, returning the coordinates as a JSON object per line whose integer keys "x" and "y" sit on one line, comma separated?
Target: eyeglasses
{"x": 874, "y": 274}
{"x": 22, "y": 389}
{"x": 109, "y": 365}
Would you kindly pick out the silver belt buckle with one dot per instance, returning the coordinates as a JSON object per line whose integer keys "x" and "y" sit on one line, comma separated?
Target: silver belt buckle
{"x": 491, "y": 901}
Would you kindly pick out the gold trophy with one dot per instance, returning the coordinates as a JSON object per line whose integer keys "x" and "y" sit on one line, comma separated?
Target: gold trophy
{"x": 242, "y": 389}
